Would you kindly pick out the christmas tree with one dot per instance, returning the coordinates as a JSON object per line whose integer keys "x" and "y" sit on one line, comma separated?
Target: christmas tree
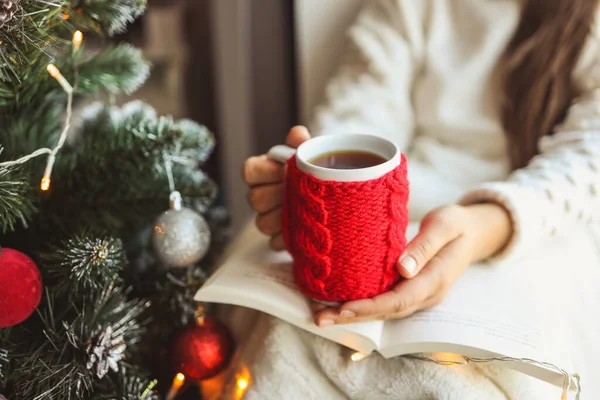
{"x": 95, "y": 276}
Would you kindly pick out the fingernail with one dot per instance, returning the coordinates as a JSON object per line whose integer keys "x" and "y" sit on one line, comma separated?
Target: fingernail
{"x": 347, "y": 314}
{"x": 409, "y": 264}
{"x": 326, "y": 322}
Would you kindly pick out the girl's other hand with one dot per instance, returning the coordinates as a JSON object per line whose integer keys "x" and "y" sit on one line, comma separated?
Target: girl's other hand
{"x": 265, "y": 178}
{"x": 450, "y": 239}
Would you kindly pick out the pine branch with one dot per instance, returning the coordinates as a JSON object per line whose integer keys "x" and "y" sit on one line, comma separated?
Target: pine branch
{"x": 48, "y": 365}
{"x": 17, "y": 203}
{"x": 115, "y": 70}
{"x": 66, "y": 361}
{"x": 197, "y": 143}
{"x": 174, "y": 300}
{"x": 107, "y": 16}
{"x": 3, "y": 357}
{"x": 126, "y": 384}
{"x": 40, "y": 29}
{"x": 198, "y": 190}
{"x": 123, "y": 149}
{"x": 30, "y": 34}
{"x": 32, "y": 126}
{"x": 84, "y": 264}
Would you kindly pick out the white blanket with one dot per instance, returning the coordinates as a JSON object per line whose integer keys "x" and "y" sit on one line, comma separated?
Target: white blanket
{"x": 287, "y": 363}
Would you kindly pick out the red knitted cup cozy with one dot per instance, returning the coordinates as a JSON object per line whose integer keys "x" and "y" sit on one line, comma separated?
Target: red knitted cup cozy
{"x": 345, "y": 237}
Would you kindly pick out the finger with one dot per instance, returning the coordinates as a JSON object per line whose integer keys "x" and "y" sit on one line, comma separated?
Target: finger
{"x": 297, "y": 135}
{"x": 379, "y": 307}
{"x": 437, "y": 229}
{"x": 328, "y": 316}
{"x": 260, "y": 170}
{"x": 331, "y": 316}
{"x": 401, "y": 301}
{"x": 269, "y": 223}
{"x": 316, "y": 306}
{"x": 450, "y": 263}
{"x": 276, "y": 242}
{"x": 266, "y": 198}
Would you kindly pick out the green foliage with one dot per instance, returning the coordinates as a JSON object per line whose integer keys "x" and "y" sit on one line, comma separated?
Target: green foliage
{"x": 116, "y": 70}
{"x": 85, "y": 263}
{"x": 17, "y": 203}
{"x": 40, "y": 29}
{"x": 30, "y": 35}
{"x": 3, "y": 358}
{"x": 127, "y": 384}
{"x": 109, "y": 16}
{"x": 111, "y": 178}
{"x": 54, "y": 365}
{"x": 108, "y": 184}
{"x": 124, "y": 149}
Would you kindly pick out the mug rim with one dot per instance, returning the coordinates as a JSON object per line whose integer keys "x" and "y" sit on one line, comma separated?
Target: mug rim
{"x": 393, "y": 159}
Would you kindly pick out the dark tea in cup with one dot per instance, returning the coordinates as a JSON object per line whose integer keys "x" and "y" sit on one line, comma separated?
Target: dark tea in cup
{"x": 347, "y": 159}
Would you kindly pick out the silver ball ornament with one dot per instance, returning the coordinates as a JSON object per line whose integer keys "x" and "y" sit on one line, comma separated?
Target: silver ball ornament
{"x": 181, "y": 237}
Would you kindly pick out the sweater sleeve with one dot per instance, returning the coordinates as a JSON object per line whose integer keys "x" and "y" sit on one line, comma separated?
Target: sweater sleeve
{"x": 560, "y": 188}
{"x": 371, "y": 92}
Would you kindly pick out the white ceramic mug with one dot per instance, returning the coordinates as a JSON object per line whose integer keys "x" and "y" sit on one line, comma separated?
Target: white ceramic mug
{"x": 317, "y": 146}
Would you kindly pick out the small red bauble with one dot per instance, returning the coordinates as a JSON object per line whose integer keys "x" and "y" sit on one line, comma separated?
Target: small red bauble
{"x": 20, "y": 287}
{"x": 202, "y": 351}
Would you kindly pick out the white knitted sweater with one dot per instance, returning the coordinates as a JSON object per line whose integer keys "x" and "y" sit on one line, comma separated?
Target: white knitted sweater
{"x": 420, "y": 73}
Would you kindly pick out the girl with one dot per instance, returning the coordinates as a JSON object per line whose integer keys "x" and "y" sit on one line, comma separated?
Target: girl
{"x": 496, "y": 104}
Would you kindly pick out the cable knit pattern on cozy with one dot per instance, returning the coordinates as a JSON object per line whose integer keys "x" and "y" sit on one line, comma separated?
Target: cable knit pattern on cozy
{"x": 332, "y": 262}
{"x": 420, "y": 73}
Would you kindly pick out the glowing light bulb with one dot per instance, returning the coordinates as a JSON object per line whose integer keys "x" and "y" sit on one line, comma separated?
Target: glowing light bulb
{"x": 53, "y": 70}
{"x": 242, "y": 383}
{"x": 55, "y": 73}
{"x": 77, "y": 40}
{"x": 45, "y": 185}
{"x": 175, "y": 386}
{"x": 448, "y": 358}
{"x": 358, "y": 356}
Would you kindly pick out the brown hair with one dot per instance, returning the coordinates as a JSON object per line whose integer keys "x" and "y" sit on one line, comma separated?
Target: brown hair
{"x": 536, "y": 70}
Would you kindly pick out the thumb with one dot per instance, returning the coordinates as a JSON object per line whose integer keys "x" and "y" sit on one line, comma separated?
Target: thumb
{"x": 297, "y": 135}
{"x": 435, "y": 233}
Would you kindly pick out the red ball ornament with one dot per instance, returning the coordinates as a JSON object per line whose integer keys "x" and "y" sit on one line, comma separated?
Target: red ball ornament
{"x": 20, "y": 287}
{"x": 202, "y": 351}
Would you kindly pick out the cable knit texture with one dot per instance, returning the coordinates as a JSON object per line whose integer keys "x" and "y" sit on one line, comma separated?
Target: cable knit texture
{"x": 345, "y": 237}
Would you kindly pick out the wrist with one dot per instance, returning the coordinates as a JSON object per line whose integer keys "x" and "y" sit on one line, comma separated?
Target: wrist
{"x": 490, "y": 227}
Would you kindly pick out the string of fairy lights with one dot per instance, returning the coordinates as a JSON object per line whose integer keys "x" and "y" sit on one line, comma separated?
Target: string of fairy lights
{"x": 571, "y": 381}
{"x": 55, "y": 73}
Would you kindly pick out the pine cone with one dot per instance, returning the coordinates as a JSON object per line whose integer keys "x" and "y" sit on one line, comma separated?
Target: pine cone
{"x": 8, "y": 8}
{"x": 104, "y": 351}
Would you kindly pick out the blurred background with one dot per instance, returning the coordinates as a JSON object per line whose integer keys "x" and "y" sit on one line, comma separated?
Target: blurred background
{"x": 247, "y": 69}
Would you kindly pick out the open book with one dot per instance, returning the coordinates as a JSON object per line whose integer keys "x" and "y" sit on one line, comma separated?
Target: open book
{"x": 490, "y": 312}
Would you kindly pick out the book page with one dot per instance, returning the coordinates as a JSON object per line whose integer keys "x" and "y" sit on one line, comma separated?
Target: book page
{"x": 255, "y": 277}
{"x": 520, "y": 309}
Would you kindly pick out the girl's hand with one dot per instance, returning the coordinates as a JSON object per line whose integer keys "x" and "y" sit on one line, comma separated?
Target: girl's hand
{"x": 450, "y": 238}
{"x": 265, "y": 178}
